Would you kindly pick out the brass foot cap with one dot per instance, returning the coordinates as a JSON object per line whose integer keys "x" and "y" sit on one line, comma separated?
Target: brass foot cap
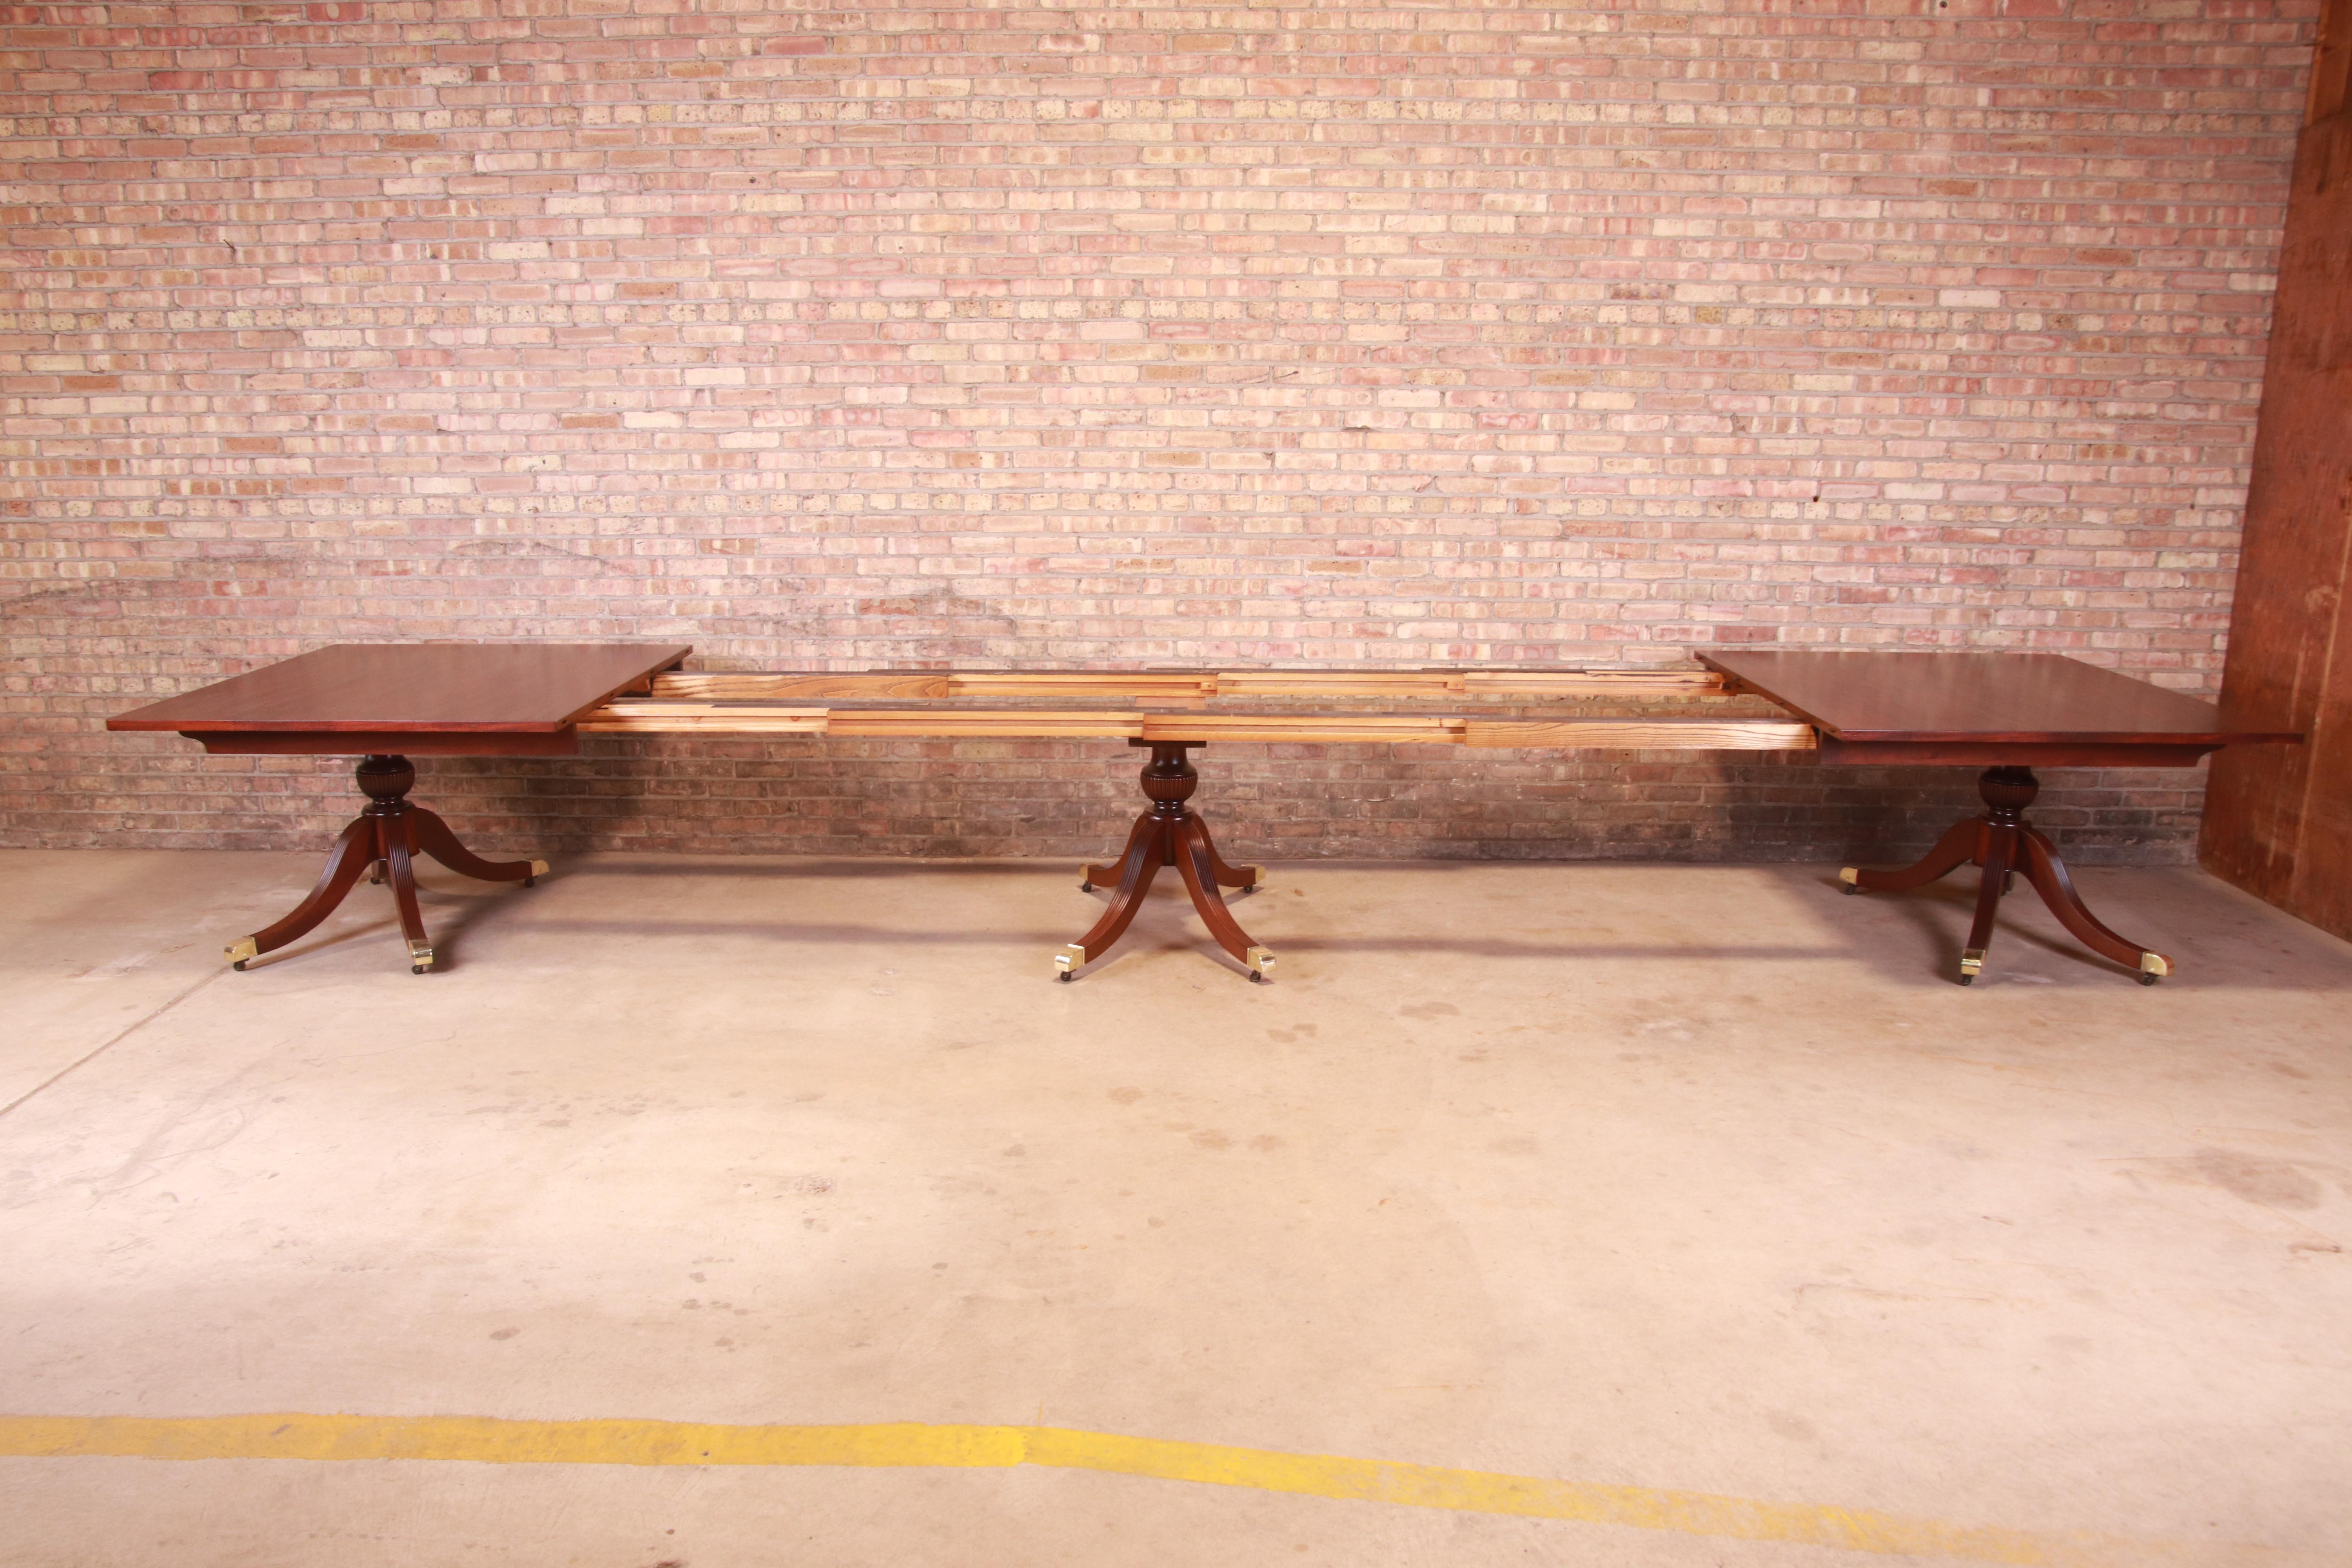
{"x": 539, "y": 868}
{"x": 243, "y": 949}
{"x": 2155, "y": 963}
{"x": 1260, "y": 960}
{"x": 1971, "y": 960}
{"x": 1069, "y": 958}
{"x": 420, "y": 954}
{"x": 1850, "y": 875}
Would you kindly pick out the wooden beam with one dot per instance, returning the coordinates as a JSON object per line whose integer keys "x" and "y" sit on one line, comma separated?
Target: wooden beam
{"x": 2278, "y": 820}
{"x": 2331, "y": 64}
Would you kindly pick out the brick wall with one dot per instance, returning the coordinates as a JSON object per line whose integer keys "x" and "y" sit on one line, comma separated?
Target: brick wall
{"x": 1421, "y": 333}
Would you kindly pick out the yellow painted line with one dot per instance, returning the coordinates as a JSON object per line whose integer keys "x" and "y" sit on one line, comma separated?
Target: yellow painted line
{"x": 491, "y": 1440}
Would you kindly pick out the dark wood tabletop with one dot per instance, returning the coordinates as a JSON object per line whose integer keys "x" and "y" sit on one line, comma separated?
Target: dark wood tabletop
{"x": 421, "y": 689}
{"x": 1999, "y": 698}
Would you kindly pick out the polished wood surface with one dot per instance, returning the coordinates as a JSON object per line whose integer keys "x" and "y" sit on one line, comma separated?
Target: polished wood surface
{"x": 2278, "y": 820}
{"x": 2007, "y": 712}
{"x": 399, "y": 689}
{"x": 2028, "y": 697}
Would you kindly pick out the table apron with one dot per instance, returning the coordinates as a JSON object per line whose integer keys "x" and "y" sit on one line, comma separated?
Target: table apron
{"x": 2011, "y": 754}
{"x": 564, "y": 743}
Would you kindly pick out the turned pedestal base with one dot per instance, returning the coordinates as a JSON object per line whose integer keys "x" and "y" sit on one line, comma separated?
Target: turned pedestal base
{"x": 2002, "y": 843}
{"x": 383, "y": 842}
{"x": 1170, "y": 833}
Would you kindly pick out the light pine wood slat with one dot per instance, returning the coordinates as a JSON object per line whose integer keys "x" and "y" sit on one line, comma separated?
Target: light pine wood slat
{"x": 1591, "y": 682}
{"x": 1645, "y": 734}
{"x": 688, "y": 717}
{"x": 1054, "y": 684}
{"x": 1337, "y": 683}
{"x": 848, "y": 688}
{"x": 1182, "y": 685}
{"x": 1307, "y": 728}
{"x": 1009, "y": 724}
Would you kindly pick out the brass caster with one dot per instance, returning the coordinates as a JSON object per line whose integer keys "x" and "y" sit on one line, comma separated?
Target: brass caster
{"x": 1849, "y": 880}
{"x": 1971, "y": 963}
{"x": 2153, "y": 967}
{"x": 420, "y": 957}
{"x": 238, "y": 952}
{"x": 1261, "y": 964}
{"x": 1067, "y": 961}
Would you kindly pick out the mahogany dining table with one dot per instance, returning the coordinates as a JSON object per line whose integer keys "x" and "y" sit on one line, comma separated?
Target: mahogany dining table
{"x": 2006, "y": 713}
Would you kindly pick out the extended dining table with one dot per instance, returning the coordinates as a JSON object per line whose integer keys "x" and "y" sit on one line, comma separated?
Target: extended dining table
{"x": 2005, "y": 714}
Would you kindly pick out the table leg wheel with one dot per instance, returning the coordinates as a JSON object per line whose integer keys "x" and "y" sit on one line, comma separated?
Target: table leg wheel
{"x": 1256, "y": 978}
{"x": 1066, "y": 977}
{"x": 1086, "y": 886}
{"x": 238, "y": 966}
{"x": 2144, "y": 980}
{"x": 1968, "y": 980}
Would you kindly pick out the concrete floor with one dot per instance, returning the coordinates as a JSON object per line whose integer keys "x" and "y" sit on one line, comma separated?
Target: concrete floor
{"x": 1651, "y": 1177}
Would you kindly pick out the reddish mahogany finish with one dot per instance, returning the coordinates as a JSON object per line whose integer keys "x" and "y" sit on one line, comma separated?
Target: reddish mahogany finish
{"x": 1170, "y": 833}
{"x": 2006, "y": 709}
{"x": 382, "y": 701}
{"x": 2042, "y": 698}
{"x": 2004, "y": 845}
{"x": 446, "y": 691}
{"x": 383, "y": 842}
